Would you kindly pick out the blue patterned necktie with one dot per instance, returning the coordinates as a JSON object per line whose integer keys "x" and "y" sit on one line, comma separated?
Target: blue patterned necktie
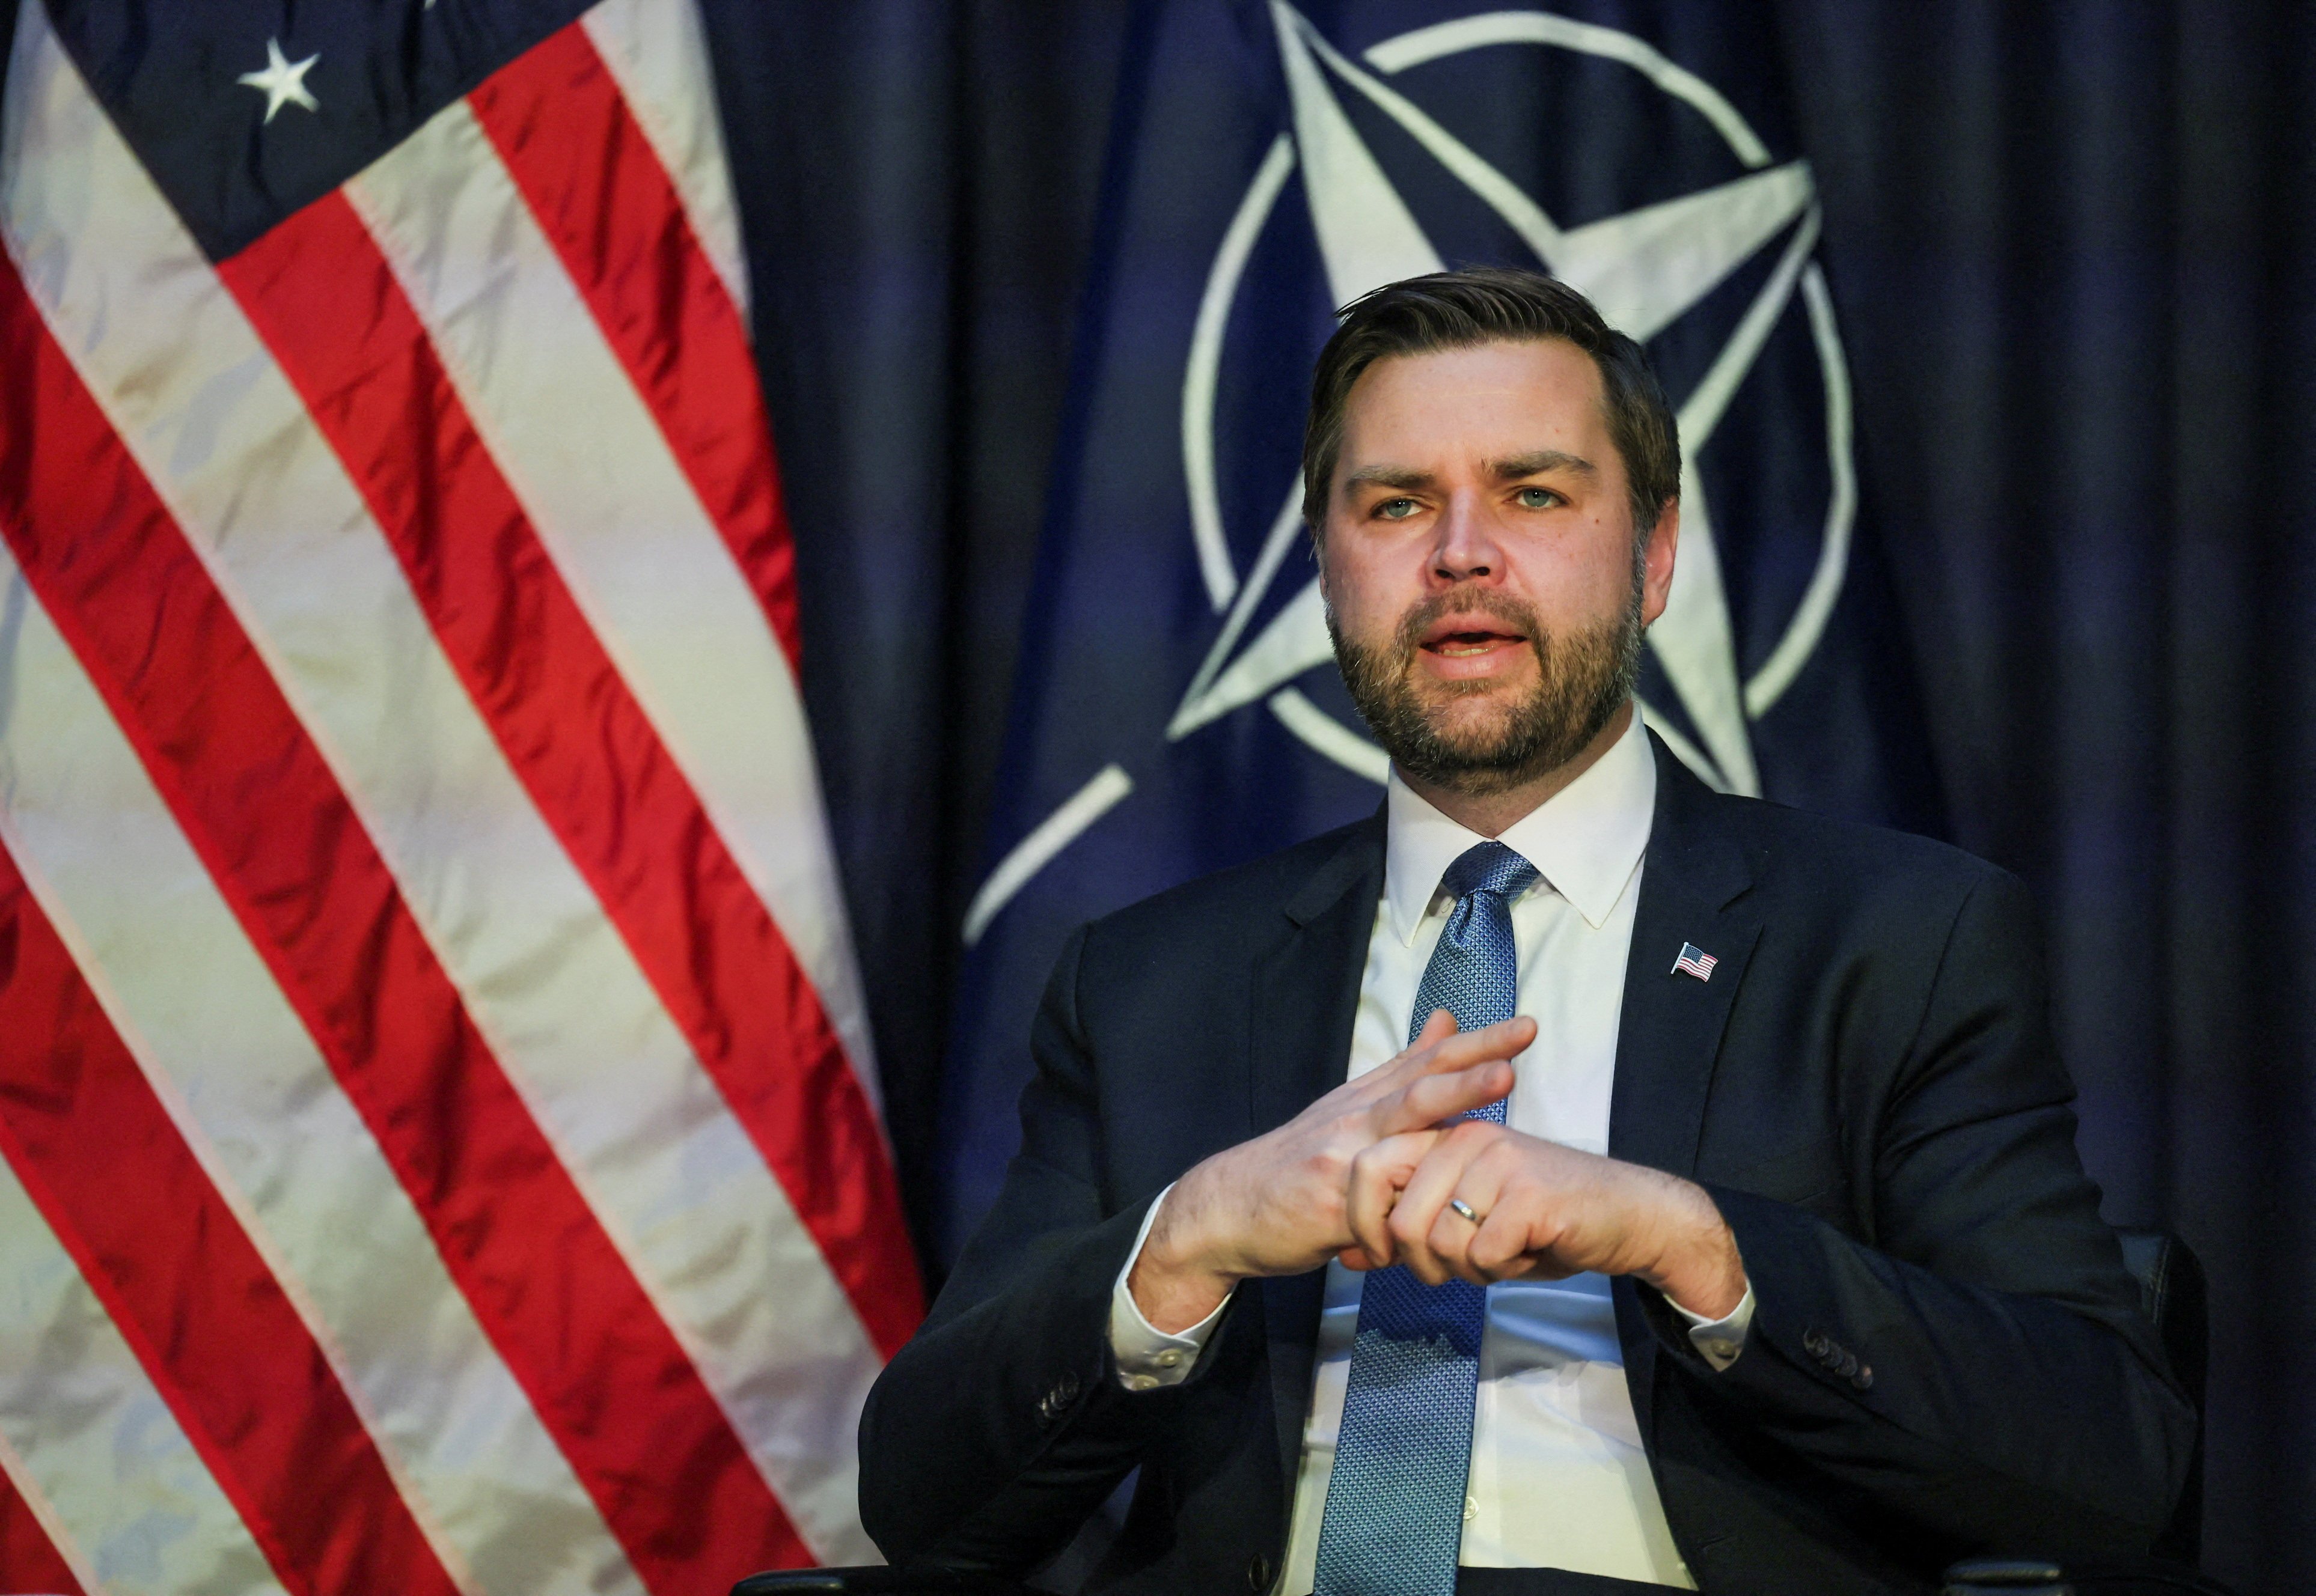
{"x": 1394, "y": 1517}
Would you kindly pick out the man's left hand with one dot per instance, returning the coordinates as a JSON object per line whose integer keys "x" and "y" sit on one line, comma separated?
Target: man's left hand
{"x": 1544, "y": 1211}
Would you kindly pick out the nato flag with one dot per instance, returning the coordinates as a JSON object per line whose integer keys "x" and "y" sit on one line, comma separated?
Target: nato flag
{"x": 1178, "y": 708}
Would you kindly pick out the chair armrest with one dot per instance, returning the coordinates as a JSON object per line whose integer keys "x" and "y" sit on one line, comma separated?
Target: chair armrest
{"x": 875, "y": 1582}
{"x": 2029, "y": 1576}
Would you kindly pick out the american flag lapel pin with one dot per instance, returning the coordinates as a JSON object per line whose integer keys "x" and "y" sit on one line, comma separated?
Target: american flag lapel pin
{"x": 1693, "y": 961}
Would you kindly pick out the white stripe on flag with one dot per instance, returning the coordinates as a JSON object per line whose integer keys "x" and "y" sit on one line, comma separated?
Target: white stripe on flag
{"x": 658, "y": 56}
{"x": 94, "y": 1437}
{"x": 642, "y": 558}
{"x": 680, "y": 1189}
{"x": 21, "y": 1480}
{"x": 261, "y": 1112}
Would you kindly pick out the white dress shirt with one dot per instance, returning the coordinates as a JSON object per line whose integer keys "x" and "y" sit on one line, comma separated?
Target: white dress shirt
{"x": 1559, "y": 1478}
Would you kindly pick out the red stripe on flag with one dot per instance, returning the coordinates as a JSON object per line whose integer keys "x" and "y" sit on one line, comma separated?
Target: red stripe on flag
{"x": 29, "y": 1559}
{"x": 260, "y": 806}
{"x": 583, "y": 163}
{"x": 249, "y": 1385}
{"x": 584, "y": 748}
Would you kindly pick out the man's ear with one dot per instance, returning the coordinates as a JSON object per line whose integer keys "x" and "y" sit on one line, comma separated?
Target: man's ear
{"x": 1657, "y": 562}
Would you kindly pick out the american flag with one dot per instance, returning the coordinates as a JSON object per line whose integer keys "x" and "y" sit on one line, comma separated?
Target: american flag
{"x": 439, "y": 1144}
{"x": 1693, "y": 961}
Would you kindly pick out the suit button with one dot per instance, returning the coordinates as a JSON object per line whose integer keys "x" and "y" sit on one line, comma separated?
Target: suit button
{"x": 1863, "y": 1379}
{"x": 1065, "y": 1391}
{"x": 1055, "y": 1402}
{"x": 1257, "y": 1574}
{"x": 1813, "y": 1342}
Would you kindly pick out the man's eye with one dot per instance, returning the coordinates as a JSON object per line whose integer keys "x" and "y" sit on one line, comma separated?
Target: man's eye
{"x": 1397, "y": 509}
{"x": 1538, "y": 498}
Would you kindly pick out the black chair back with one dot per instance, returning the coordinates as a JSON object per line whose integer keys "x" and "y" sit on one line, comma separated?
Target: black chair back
{"x": 2172, "y": 1295}
{"x": 2171, "y": 1290}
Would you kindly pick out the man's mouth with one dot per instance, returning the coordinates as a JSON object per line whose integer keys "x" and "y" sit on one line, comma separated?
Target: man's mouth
{"x": 1461, "y": 637}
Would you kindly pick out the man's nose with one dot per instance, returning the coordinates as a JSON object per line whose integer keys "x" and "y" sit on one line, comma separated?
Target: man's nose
{"x": 1464, "y": 547}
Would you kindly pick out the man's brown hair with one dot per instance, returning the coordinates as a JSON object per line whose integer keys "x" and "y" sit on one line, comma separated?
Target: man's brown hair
{"x": 1449, "y": 310}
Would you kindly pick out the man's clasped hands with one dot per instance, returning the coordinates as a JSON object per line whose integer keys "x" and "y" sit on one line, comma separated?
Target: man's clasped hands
{"x": 1385, "y": 1170}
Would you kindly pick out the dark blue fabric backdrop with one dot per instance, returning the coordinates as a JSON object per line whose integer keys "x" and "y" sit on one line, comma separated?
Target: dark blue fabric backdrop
{"x": 2068, "y": 244}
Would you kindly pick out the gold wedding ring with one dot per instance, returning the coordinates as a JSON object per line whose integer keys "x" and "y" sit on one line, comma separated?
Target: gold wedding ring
{"x": 1464, "y": 1208}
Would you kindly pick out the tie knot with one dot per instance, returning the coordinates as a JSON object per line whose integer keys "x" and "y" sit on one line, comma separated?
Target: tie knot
{"x": 1490, "y": 867}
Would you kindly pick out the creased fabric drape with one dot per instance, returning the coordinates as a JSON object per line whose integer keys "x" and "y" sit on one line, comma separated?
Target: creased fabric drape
{"x": 2069, "y": 245}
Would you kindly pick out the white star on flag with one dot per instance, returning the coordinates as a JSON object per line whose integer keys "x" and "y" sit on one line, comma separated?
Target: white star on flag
{"x": 282, "y": 81}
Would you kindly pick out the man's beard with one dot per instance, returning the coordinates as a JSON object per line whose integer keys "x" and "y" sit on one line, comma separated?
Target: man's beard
{"x": 1583, "y": 678}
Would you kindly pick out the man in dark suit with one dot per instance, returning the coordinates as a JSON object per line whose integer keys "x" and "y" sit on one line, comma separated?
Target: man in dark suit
{"x": 1763, "y": 1262}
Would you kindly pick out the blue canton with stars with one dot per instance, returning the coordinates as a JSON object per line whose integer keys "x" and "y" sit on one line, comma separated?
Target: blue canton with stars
{"x": 214, "y": 98}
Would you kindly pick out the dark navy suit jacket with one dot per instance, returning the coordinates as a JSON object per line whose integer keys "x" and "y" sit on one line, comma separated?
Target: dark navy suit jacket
{"x": 1947, "y": 1355}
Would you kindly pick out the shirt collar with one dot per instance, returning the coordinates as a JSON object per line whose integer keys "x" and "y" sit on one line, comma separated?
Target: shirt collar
{"x": 1585, "y": 840}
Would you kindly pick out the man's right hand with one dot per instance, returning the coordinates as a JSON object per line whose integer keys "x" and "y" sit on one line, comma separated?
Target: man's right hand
{"x": 1278, "y": 1204}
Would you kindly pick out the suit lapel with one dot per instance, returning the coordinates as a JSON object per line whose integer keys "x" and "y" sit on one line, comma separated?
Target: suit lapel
{"x": 1306, "y": 994}
{"x": 1692, "y": 892}
{"x": 1307, "y": 981}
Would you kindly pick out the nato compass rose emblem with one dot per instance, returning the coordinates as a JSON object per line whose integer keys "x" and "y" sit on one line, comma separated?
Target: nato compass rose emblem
{"x": 1712, "y": 281}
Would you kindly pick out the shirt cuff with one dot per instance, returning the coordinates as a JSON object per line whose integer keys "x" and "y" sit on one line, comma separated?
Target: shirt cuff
{"x": 1718, "y": 1341}
{"x": 1148, "y": 1357}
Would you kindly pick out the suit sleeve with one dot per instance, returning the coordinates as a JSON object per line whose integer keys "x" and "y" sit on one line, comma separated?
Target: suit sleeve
{"x": 1982, "y": 1368}
{"x": 999, "y": 1428}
